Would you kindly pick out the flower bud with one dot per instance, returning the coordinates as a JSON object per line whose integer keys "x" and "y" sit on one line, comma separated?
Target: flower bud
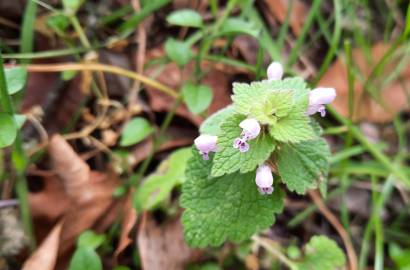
{"x": 275, "y": 71}
{"x": 264, "y": 179}
{"x": 206, "y": 144}
{"x": 318, "y": 98}
{"x": 250, "y": 129}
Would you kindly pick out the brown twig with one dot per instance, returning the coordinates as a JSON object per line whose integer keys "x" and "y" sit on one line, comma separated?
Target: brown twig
{"x": 141, "y": 39}
{"x": 105, "y": 68}
{"x": 351, "y": 254}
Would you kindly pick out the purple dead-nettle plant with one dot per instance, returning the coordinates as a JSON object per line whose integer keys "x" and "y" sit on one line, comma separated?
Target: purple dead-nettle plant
{"x": 264, "y": 179}
{"x": 318, "y": 98}
{"x": 275, "y": 71}
{"x": 206, "y": 144}
{"x": 250, "y": 130}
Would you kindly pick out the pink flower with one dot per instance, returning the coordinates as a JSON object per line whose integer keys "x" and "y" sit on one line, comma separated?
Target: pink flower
{"x": 264, "y": 179}
{"x": 206, "y": 144}
{"x": 250, "y": 130}
{"x": 275, "y": 71}
{"x": 318, "y": 98}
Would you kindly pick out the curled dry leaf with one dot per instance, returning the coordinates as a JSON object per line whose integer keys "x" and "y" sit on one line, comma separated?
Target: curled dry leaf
{"x": 279, "y": 9}
{"x": 45, "y": 256}
{"x": 365, "y": 108}
{"x": 128, "y": 221}
{"x": 89, "y": 195}
{"x": 163, "y": 244}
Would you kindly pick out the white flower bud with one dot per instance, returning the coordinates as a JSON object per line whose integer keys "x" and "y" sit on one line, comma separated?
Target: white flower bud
{"x": 318, "y": 98}
{"x": 250, "y": 128}
{"x": 206, "y": 144}
{"x": 275, "y": 71}
{"x": 264, "y": 179}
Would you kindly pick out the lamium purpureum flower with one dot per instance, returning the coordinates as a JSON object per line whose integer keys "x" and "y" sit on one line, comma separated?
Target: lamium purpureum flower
{"x": 206, "y": 144}
{"x": 264, "y": 179}
{"x": 318, "y": 98}
{"x": 275, "y": 71}
{"x": 250, "y": 130}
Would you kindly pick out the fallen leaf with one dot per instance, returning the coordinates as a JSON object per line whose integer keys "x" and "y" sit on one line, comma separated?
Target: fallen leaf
{"x": 163, "y": 244}
{"x": 45, "y": 256}
{"x": 279, "y": 9}
{"x": 90, "y": 204}
{"x": 365, "y": 107}
{"x": 128, "y": 222}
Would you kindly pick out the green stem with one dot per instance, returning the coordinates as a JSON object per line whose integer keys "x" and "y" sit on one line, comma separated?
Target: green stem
{"x": 377, "y": 154}
{"x": 165, "y": 124}
{"x": 275, "y": 252}
{"x": 77, "y": 27}
{"x": 19, "y": 161}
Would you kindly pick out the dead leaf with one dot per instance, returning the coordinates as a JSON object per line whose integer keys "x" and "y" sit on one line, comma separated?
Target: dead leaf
{"x": 279, "y": 9}
{"x": 128, "y": 223}
{"x": 45, "y": 256}
{"x": 163, "y": 244}
{"x": 365, "y": 108}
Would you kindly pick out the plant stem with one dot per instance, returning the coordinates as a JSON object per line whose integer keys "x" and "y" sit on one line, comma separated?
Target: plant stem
{"x": 19, "y": 161}
{"x": 165, "y": 124}
{"x": 377, "y": 154}
{"x": 275, "y": 252}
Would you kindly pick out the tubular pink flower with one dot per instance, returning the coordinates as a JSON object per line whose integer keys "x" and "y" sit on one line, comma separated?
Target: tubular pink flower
{"x": 264, "y": 179}
{"x": 206, "y": 144}
{"x": 275, "y": 71}
{"x": 318, "y": 98}
{"x": 250, "y": 130}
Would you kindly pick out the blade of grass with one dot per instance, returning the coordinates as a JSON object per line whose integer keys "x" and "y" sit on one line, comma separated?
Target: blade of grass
{"x": 27, "y": 31}
{"x": 129, "y": 26}
{"x": 337, "y": 33}
{"x": 301, "y": 39}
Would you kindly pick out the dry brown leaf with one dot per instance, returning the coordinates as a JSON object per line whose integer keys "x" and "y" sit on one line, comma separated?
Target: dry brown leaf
{"x": 51, "y": 202}
{"x": 87, "y": 194}
{"x": 163, "y": 245}
{"x": 365, "y": 108}
{"x": 45, "y": 256}
{"x": 279, "y": 9}
{"x": 128, "y": 223}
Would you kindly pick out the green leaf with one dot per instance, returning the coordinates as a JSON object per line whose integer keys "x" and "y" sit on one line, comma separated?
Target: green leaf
{"x": 185, "y": 17}
{"x": 90, "y": 239}
{"x": 20, "y": 120}
{"x": 8, "y": 130}
{"x": 238, "y": 26}
{"x": 322, "y": 253}
{"x": 303, "y": 165}
{"x": 197, "y": 97}
{"x": 157, "y": 187}
{"x": 85, "y": 259}
{"x": 16, "y": 78}
{"x": 268, "y": 101}
{"x": 228, "y": 159}
{"x": 178, "y": 51}
{"x": 401, "y": 257}
{"x": 71, "y": 6}
{"x": 59, "y": 22}
{"x": 68, "y": 74}
{"x": 224, "y": 208}
{"x": 212, "y": 125}
{"x": 295, "y": 127}
{"x": 135, "y": 131}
